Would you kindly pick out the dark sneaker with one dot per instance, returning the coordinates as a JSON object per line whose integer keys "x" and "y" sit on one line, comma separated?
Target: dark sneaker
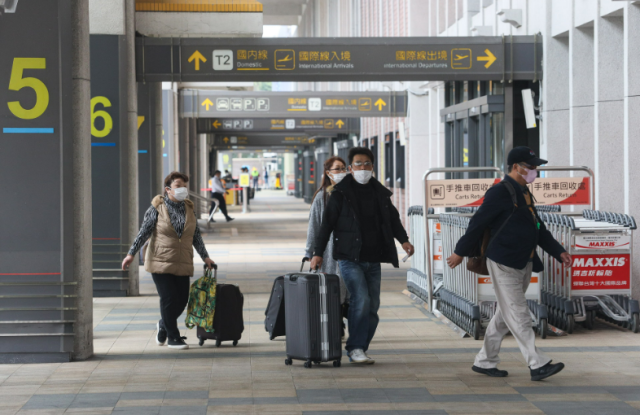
{"x": 546, "y": 371}
{"x": 178, "y": 343}
{"x": 161, "y": 336}
{"x": 494, "y": 372}
{"x": 212, "y": 221}
{"x": 229, "y": 219}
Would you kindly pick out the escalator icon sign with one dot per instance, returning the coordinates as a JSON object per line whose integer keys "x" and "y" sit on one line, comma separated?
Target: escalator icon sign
{"x": 285, "y": 59}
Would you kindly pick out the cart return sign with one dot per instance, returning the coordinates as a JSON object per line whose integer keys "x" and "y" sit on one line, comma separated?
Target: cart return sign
{"x": 339, "y": 59}
{"x": 546, "y": 191}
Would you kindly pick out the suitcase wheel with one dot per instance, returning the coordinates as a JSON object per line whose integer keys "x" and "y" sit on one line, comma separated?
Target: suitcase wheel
{"x": 288, "y": 362}
{"x": 235, "y": 342}
{"x": 201, "y": 342}
{"x": 308, "y": 364}
{"x": 218, "y": 343}
{"x": 316, "y": 362}
{"x": 337, "y": 363}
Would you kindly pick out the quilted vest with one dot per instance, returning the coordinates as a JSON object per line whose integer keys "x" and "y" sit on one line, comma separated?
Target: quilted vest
{"x": 166, "y": 253}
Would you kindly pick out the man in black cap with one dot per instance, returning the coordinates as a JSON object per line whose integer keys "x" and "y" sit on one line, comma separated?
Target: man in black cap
{"x": 516, "y": 231}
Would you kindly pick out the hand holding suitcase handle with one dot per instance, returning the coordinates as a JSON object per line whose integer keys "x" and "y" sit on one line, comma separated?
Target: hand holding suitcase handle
{"x": 214, "y": 266}
{"x": 306, "y": 259}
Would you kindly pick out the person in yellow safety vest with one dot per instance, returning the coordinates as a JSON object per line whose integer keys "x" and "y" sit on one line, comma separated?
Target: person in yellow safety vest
{"x": 255, "y": 174}
{"x": 278, "y": 181}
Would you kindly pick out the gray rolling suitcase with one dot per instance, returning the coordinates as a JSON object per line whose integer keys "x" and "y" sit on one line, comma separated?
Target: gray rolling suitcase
{"x": 313, "y": 318}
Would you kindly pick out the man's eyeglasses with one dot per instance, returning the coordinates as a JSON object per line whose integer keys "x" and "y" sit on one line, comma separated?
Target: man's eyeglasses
{"x": 360, "y": 164}
{"x": 340, "y": 170}
{"x": 526, "y": 166}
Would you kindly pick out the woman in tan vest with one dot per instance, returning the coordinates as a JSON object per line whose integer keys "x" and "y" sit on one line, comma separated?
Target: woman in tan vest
{"x": 172, "y": 225}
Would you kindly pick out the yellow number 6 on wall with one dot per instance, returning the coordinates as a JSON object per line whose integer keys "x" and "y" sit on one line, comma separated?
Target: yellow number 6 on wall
{"x": 17, "y": 82}
{"x": 108, "y": 121}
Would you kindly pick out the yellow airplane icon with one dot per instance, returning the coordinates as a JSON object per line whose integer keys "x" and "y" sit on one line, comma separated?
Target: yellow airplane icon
{"x": 461, "y": 58}
{"x": 285, "y": 59}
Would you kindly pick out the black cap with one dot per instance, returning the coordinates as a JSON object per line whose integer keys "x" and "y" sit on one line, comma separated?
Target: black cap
{"x": 524, "y": 154}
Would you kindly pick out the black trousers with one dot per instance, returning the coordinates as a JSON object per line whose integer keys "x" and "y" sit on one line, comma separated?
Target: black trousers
{"x": 223, "y": 204}
{"x": 174, "y": 296}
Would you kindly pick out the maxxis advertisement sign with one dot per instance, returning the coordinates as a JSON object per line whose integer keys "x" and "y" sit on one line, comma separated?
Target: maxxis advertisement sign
{"x": 607, "y": 241}
{"x": 601, "y": 272}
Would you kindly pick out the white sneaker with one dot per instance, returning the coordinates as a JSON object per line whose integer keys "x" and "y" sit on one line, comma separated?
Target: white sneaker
{"x": 358, "y": 356}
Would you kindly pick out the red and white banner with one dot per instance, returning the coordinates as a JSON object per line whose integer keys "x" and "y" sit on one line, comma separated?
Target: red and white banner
{"x": 601, "y": 272}
{"x": 610, "y": 241}
{"x": 562, "y": 191}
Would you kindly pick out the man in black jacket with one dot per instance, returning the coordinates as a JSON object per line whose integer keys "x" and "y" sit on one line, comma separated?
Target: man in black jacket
{"x": 516, "y": 232}
{"x": 364, "y": 224}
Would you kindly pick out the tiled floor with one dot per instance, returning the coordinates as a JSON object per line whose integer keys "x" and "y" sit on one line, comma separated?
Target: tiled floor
{"x": 422, "y": 366}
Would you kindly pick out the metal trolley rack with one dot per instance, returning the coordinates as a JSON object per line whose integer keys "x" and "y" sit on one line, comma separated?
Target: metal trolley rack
{"x": 455, "y": 307}
{"x": 599, "y": 282}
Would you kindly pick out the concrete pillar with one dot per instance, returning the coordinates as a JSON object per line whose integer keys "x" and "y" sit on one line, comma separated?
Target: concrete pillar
{"x": 183, "y": 144}
{"x": 81, "y": 202}
{"x": 609, "y": 113}
{"x": 555, "y": 122}
{"x": 157, "y": 182}
{"x": 130, "y": 164}
{"x": 419, "y": 142}
{"x": 582, "y": 93}
{"x": 632, "y": 126}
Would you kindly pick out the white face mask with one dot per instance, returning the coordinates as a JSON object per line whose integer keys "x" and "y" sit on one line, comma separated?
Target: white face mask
{"x": 181, "y": 193}
{"x": 362, "y": 176}
{"x": 337, "y": 177}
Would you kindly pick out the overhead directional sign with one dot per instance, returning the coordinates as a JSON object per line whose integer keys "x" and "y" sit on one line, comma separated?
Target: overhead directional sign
{"x": 261, "y": 104}
{"x": 309, "y": 126}
{"x": 262, "y": 140}
{"x": 340, "y": 59}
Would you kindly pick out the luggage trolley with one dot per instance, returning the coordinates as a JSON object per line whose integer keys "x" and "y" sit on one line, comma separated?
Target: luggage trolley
{"x": 599, "y": 281}
{"x": 417, "y": 274}
{"x": 458, "y": 295}
{"x": 468, "y": 299}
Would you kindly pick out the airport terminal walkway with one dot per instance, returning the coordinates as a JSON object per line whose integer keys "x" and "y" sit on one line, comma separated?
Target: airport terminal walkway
{"x": 422, "y": 366}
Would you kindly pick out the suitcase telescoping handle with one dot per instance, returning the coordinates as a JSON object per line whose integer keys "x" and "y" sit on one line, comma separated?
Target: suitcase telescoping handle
{"x": 306, "y": 259}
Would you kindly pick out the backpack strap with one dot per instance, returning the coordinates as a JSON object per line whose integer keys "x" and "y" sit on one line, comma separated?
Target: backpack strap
{"x": 512, "y": 192}
{"x": 514, "y": 200}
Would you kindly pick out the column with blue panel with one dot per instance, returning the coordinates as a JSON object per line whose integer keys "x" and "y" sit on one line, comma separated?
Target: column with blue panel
{"x": 108, "y": 133}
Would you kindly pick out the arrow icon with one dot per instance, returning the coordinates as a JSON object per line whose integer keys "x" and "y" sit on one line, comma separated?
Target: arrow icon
{"x": 207, "y": 103}
{"x": 340, "y": 123}
{"x": 380, "y": 103}
{"x": 490, "y": 58}
{"x": 226, "y": 140}
{"x": 197, "y": 56}
{"x": 216, "y": 123}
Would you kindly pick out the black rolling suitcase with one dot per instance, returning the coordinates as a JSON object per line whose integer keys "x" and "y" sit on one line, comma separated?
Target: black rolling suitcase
{"x": 313, "y": 318}
{"x": 274, "y": 321}
{"x": 228, "y": 323}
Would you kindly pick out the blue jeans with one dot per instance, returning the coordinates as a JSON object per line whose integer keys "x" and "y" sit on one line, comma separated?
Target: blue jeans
{"x": 363, "y": 282}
